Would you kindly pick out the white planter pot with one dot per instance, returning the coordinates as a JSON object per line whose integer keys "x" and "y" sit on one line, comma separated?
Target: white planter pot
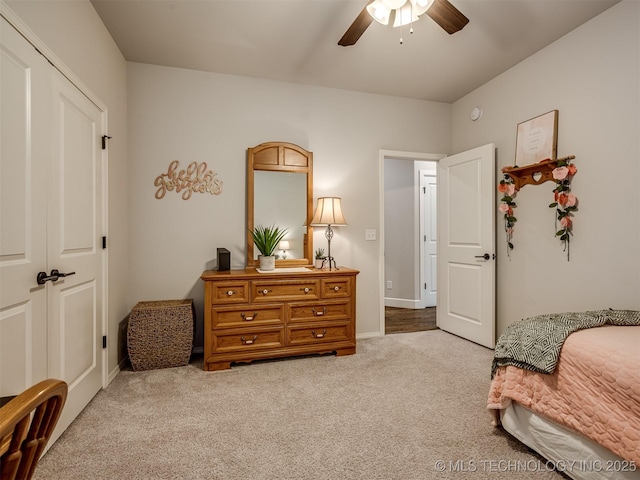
{"x": 319, "y": 262}
{"x": 267, "y": 263}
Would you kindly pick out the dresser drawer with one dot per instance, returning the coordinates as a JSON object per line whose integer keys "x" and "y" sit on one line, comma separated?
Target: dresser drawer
{"x": 337, "y": 287}
{"x": 284, "y": 290}
{"x": 314, "y": 311}
{"x": 247, "y": 316}
{"x": 320, "y": 333}
{"x": 224, "y": 293}
{"x": 226, "y": 341}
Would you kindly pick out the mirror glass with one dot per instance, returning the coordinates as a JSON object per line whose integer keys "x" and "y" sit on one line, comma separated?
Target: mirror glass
{"x": 280, "y": 198}
{"x": 280, "y": 193}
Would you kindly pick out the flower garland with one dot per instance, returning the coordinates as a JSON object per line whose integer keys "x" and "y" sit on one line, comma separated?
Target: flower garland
{"x": 508, "y": 189}
{"x": 564, "y": 202}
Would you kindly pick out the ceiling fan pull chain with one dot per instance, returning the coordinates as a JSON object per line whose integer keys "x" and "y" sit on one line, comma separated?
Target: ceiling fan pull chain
{"x": 411, "y": 25}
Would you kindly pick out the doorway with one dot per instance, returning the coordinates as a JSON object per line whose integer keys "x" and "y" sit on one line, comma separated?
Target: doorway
{"x": 407, "y": 226}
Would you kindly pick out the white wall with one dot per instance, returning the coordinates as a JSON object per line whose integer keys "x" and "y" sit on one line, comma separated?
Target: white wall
{"x": 76, "y": 35}
{"x": 402, "y": 243}
{"x": 185, "y": 115}
{"x": 592, "y": 77}
{"x": 399, "y": 233}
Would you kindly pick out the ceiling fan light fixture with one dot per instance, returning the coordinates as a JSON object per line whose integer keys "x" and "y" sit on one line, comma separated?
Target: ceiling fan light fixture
{"x": 405, "y": 15}
{"x": 394, "y": 4}
{"x": 379, "y": 11}
{"x": 423, "y": 4}
{"x": 420, "y": 7}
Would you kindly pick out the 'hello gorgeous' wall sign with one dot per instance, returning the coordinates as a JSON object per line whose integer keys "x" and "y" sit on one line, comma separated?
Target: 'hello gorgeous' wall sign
{"x": 194, "y": 179}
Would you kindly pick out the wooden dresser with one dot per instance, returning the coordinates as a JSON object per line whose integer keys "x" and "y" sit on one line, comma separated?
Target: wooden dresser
{"x": 250, "y": 315}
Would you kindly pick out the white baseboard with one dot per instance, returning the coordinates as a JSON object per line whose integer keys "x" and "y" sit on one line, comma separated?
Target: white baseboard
{"x": 401, "y": 303}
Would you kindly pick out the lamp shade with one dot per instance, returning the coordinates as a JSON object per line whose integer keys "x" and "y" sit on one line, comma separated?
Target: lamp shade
{"x": 328, "y": 212}
{"x": 284, "y": 245}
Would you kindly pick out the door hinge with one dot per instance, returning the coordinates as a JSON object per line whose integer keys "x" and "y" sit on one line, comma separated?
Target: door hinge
{"x": 104, "y": 242}
{"x": 104, "y": 341}
{"x": 104, "y": 141}
{"x": 425, "y": 286}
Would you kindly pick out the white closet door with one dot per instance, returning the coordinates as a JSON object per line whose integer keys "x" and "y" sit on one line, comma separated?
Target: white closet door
{"x": 51, "y": 193}
{"x": 74, "y": 220}
{"x": 25, "y": 113}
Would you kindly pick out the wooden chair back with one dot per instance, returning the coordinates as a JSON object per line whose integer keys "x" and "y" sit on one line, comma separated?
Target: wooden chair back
{"x": 26, "y": 424}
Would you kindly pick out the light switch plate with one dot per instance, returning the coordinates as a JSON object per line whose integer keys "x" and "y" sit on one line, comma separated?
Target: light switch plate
{"x": 370, "y": 234}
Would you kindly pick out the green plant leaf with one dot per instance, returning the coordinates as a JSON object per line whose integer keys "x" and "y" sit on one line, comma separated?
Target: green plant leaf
{"x": 267, "y": 239}
{"x": 510, "y": 245}
{"x": 553, "y": 205}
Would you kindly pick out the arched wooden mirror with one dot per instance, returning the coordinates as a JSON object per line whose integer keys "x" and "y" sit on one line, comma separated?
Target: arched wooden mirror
{"x": 280, "y": 192}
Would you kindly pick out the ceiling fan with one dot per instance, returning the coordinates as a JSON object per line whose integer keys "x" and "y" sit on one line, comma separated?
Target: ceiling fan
{"x": 404, "y": 12}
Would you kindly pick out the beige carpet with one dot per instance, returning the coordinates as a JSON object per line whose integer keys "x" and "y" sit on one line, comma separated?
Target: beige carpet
{"x": 392, "y": 411}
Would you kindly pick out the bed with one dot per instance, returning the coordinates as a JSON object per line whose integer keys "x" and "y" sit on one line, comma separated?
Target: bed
{"x": 568, "y": 386}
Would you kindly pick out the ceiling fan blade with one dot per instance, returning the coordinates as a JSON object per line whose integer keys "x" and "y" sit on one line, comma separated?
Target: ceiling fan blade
{"x": 357, "y": 28}
{"x": 447, "y": 16}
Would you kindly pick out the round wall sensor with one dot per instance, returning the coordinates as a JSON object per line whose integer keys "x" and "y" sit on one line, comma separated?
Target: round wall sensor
{"x": 476, "y": 113}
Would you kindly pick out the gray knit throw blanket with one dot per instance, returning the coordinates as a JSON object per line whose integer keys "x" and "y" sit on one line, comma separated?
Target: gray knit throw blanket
{"x": 535, "y": 343}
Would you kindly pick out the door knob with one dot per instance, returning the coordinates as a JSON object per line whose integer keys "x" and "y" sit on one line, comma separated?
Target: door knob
{"x": 43, "y": 278}
{"x": 60, "y": 274}
{"x": 486, "y": 256}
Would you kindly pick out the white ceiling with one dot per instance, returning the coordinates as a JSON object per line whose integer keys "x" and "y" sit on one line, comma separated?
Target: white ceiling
{"x": 296, "y": 41}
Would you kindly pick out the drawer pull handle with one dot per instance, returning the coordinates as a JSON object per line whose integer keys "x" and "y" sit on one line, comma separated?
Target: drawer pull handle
{"x": 306, "y": 289}
{"x": 248, "y": 318}
{"x": 319, "y": 335}
{"x": 230, "y": 292}
{"x": 319, "y": 314}
{"x": 336, "y": 288}
{"x": 248, "y": 342}
{"x": 265, "y": 291}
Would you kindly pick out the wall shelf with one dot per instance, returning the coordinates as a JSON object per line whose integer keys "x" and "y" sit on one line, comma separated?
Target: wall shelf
{"x": 534, "y": 174}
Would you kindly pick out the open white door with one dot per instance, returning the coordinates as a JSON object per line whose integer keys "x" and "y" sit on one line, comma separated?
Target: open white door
{"x": 466, "y": 245}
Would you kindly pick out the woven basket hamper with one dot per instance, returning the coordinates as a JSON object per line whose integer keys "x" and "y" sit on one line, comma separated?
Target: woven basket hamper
{"x": 160, "y": 334}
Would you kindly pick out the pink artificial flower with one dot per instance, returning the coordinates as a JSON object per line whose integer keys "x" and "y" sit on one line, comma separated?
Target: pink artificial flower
{"x": 572, "y": 169}
{"x": 502, "y": 187}
{"x": 562, "y": 199}
{"x": 566, "y": 222}
{"x": 560, "y": 173}
{"x": 572, "y": 200}
{"x": 504, "y": 208}
{"x": 511, "y": 190}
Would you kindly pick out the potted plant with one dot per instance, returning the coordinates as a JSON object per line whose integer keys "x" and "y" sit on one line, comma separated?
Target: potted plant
{"x": 266, "y": 240}
{"x": 320, "y": 257}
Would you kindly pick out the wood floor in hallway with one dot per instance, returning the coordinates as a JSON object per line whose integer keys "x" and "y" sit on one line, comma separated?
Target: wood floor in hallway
{"x": 405, "y": 320}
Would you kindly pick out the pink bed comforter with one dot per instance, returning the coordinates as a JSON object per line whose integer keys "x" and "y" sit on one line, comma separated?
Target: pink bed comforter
{"x": 594, "y": 390}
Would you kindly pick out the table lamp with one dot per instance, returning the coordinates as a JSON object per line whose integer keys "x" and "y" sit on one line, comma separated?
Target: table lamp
{"x": 328, "y": 212}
